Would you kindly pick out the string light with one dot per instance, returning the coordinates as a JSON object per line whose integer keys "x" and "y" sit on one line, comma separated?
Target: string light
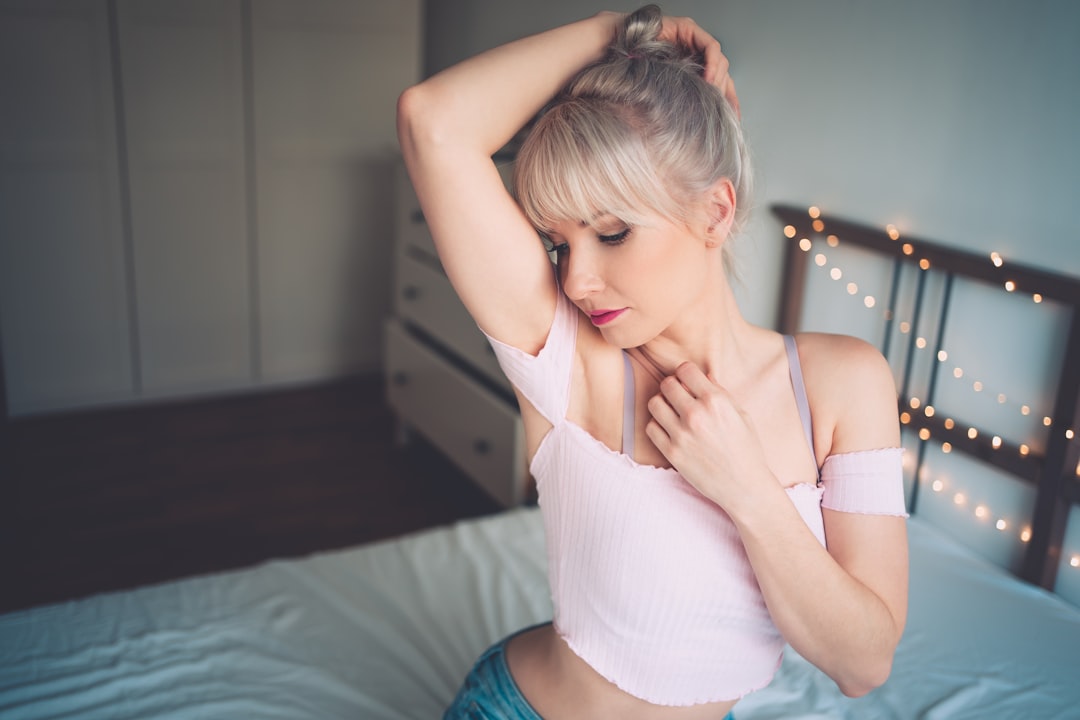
{"x": 980, "y": 510}
{"x": 869, "y": 301}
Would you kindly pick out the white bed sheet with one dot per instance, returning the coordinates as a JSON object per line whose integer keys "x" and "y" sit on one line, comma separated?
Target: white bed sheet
{"x": 387, "y": 631}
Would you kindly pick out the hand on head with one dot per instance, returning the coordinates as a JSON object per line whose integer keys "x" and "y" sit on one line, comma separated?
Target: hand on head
{"x": 684, "y": 31}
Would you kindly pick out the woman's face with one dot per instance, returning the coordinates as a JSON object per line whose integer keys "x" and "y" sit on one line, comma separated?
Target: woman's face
{"x": 636, "y": 281}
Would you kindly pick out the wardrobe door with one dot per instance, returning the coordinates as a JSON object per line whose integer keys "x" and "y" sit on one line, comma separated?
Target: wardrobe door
{"x": 326, "y": 80}
{"x": 64, "y": 282}
{"x": 183, "y": 94}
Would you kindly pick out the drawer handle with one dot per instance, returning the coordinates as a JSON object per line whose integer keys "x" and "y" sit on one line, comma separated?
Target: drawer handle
{"x": 400, "y": 379}
{"x": 482, "y": 447}
{"x": 411, "y": 292}
{"x": 417, "y": 217}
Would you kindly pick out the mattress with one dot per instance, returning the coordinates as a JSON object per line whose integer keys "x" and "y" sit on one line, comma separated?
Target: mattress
{"x": 388, "y": 631}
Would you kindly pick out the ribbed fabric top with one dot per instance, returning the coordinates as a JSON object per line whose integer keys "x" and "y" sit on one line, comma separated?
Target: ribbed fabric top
{"x": 650, "y": 582}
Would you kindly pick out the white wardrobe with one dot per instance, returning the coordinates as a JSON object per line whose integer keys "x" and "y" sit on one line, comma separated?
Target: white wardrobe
{"x": 195, "y": 195}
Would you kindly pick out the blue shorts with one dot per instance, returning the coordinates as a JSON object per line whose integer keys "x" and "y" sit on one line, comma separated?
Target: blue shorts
{"x": 490, "y": 693}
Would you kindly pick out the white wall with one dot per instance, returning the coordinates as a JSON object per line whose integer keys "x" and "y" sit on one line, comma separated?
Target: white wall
{"x": 194, "y": 195}
{"x": 954, "y": 121}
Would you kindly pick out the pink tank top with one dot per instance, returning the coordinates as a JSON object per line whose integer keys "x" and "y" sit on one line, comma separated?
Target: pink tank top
{"x": 650, "y": 582}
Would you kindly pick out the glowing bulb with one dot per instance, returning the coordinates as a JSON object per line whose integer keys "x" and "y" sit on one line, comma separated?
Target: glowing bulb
{"x": 814, "y": 212}
{"x": 832, "y": 240}
{"x": 929, "y": 411}
{"x": 949, "y": 424}
{"x": 977, "y": 386}
{"x": 1047, "y": 421}
{"x": 820, "y": 260}
{"x": 924, "y": 264}
{"x": 852, "y": 288}
{"x": 924, "y": 434}
{"x": 938, "y": 486}
{"x": 905, "y": 418}
{"x": 1001, "y": 398}
{"x": 1024, "y": 450}
{"x": 1069, "y": 434}
{"x": 1025, "y": 535}
{"x": 920, "y": 343}
{"x": 981, "y": 511}
{"x": 1037, "y": 298}
{"x": 869, "y": 301}
{"x": 996, "y": 442}
{"x": 1025, "y": 410}
{"x": 908, "y": 249}
{"x": 915, "y": 403}
{"x": 1074, "y": 561}
{"x": 973, "y": 433}
{"x": 1001, "y": 524}
{"x": 836, "y": 273}
{"x": 942, "y": 356}
{"x": 946, "y": 447}
{"x": 905, "y": 327}
{"x": 996, "y": 259}
{"x": 959, "y": 499}
{"x": 789, "y": 231}
{"x": 1010, "y": 286}
{"x": 818, "y": 225}
{"x": 893, "y": 232}
{"x": 957, "y": 373}
{"x": 805, "y": 244}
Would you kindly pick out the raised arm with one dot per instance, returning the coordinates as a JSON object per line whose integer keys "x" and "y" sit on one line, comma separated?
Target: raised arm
{"x": 449, "y": 127}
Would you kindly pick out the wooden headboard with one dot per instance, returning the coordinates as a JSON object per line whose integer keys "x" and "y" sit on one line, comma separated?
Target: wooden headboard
{"x": 917, "y": 265}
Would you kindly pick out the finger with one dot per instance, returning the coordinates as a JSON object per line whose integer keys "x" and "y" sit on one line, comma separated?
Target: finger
{"x": 696, "y": 382}
{"x": 676, "y": 394}
{"x": 663, "y": 413}
{"x": 716, "y": 63}
{"x": 658, "y": 436}
{"x": 732, "y": 97}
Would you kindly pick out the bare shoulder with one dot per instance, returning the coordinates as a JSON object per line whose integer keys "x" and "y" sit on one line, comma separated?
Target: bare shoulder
{"x": 851, "y": 391}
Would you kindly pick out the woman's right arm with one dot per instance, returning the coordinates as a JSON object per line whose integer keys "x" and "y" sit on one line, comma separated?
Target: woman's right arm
{"x": 449, "y": 126}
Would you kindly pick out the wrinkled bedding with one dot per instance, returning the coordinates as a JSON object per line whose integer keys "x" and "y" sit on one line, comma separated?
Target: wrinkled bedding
{"x": 387, "y": 631}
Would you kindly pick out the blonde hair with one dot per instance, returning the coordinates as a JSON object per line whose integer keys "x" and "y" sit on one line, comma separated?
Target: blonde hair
{"x": 641, "y": 129}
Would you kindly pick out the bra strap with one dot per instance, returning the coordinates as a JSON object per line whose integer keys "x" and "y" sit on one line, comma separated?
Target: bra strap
{"x": 795, "y": 369}
{"x": 628, "y": 407}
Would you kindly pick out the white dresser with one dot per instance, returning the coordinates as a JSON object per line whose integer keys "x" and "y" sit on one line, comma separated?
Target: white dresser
{"x": 442, "y": 378}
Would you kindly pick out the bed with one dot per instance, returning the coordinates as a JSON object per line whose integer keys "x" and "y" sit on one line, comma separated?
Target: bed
{"x": 388, "y": 630}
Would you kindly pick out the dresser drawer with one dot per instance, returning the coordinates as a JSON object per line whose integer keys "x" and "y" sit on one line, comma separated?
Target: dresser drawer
{"x": 480, "y": 432}
{"x": 425, "y": 297}
{"x": 411, "y": 228}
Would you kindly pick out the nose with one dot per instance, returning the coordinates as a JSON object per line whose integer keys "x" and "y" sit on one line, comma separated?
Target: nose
{"x": 580, "y": 273}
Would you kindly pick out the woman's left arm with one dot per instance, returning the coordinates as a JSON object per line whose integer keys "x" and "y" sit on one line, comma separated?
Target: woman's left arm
{"x": 842, "y": 608}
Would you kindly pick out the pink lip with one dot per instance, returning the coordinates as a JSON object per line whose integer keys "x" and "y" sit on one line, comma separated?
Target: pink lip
{"x": 603, "y": 317}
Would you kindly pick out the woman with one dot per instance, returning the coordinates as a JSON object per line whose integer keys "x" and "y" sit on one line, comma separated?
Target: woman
{"x": 687, "y": 497}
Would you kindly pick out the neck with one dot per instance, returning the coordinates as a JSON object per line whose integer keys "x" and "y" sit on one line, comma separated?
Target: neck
{"x": 715, "y": 337}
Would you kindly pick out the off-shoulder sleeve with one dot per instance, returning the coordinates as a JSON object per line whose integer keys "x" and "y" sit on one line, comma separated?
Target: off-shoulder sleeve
{"x": 544, "y": 378}
{"x": 870, "y": 482}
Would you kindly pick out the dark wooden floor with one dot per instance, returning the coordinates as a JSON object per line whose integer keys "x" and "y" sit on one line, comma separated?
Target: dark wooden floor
{"x": 111, "y": 499}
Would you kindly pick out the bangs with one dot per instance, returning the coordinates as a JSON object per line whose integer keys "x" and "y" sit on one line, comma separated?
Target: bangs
{"x": 583, "y": 159}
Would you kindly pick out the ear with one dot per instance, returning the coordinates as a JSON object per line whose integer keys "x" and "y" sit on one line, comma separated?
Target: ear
{"x": 720, "y": 211}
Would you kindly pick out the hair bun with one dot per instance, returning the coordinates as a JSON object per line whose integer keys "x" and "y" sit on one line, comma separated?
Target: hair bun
{"x": 638, "y": 36}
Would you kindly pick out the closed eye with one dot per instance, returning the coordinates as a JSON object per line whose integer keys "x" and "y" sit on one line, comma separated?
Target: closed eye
{"x": 616, "y": 238}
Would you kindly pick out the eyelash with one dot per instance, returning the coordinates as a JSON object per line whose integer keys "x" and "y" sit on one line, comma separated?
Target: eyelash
{"x": 615, "y": 239}
{"x": 562, "y": 248}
